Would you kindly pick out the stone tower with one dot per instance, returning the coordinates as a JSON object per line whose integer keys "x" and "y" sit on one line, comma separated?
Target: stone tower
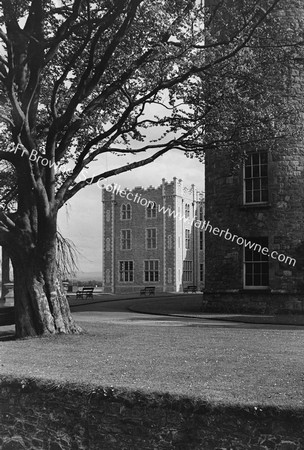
{"x": 262, "y": 203}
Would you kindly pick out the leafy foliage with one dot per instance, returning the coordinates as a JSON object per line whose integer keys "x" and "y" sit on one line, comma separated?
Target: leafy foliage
{"x": 80, "y": 79}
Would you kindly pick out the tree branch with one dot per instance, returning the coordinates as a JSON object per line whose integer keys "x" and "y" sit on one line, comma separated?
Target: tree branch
{"x": 128, "y": 167}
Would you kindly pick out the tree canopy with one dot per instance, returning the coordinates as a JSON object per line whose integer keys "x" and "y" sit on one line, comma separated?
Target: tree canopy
{"x": 79, "y": 79}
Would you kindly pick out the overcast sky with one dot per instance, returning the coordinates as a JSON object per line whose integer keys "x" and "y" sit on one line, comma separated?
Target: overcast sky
{"x": 80, "y": 219}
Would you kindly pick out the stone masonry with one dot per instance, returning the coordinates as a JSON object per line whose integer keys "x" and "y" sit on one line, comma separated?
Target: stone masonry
{"x": 280, "y": 219}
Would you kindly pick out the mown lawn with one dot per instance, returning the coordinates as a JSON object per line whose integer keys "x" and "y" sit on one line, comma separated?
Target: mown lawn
{"x": 247, "y": 366}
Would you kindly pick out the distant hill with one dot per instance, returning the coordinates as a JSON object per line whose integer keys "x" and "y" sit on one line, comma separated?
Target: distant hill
{"x": 89, "y": 276}
{"x": 82, "y": 276}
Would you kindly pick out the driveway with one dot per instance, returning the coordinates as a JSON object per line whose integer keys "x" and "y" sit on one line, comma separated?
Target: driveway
{"x": 127, "y": 311}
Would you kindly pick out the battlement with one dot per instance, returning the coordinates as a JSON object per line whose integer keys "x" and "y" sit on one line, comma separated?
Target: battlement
{"x": 167, "y": 188}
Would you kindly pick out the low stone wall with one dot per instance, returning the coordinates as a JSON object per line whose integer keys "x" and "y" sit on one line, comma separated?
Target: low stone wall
{"x": 253, "y": 302}
{"x": 42, "y": 415}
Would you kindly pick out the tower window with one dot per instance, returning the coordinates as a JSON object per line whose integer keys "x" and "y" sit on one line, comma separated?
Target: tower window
{"x": 151, "y": 210}
{"x": 126, "y": 271}
{"x": 187, "y": 210}
{"x": 201, "y": 213}
{"x": 256, "y": 265}
{"x": 151, "y": 270}
{"x": 201, "y": 240}
{"x": 187, "y": 272}
{"x": 125, "y": 240}
{"x": 151, "y": 241}
{"x": 187, "y": 239}
{"x": 256, "y": 178}
{"x": 125, "y": 211}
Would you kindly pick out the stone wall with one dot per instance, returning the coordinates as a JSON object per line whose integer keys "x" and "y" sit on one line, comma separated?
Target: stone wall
{"x": 253, "y": 302}
{"x": 40, "y": 415}
{"x": 280, "y": 219}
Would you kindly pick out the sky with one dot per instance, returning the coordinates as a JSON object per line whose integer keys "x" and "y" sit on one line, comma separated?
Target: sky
{"x": 80, "y": 218}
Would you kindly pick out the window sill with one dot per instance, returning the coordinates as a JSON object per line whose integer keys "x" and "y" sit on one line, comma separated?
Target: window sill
{"x": 255, "y": 206}
{"x": 254, "y": 289}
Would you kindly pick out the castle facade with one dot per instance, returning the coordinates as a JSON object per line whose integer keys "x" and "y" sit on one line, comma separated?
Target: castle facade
{"x": 151, "y": 237}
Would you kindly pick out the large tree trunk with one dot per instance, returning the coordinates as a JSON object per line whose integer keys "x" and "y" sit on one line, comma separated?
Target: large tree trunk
{"x": 38, "y": 312}
{"x": 41, "y": 306}
{"x": 5, "y": 273}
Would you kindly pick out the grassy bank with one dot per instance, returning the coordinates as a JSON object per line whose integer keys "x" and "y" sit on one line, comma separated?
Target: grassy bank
{"x": 231, "y": 366}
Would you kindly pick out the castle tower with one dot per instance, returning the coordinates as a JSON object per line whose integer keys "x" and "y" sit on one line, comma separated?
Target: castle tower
{"x": 149, "y": 238}
{"x": 262, "y": 203}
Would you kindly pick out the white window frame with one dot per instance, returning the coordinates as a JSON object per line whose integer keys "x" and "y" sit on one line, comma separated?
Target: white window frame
{"x": 151, "y": 210}
{"x": 126, "y": 210}
{"x": 123, "y": 239}
{"x": 264, "y": 260}
{"x": 127, "y": 271}
{"x": 254, "y": 178}
{"x": 188, "y": 271}
{"x": 149, "y": 240}
{"x": 151, "y": 266}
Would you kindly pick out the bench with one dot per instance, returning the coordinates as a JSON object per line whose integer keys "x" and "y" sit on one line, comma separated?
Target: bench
{"x": 148, "y": 290}
{"x": 190, "y": 289}
{"x": 85, "y": 293}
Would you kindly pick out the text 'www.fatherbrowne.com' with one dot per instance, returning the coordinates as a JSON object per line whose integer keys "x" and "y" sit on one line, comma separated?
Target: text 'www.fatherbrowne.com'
{"x": 202, "y": 225}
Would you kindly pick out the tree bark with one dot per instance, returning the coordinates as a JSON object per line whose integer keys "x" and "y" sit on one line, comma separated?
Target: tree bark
{"x": 41, "y": 306}
{"x": 5, "y": 273}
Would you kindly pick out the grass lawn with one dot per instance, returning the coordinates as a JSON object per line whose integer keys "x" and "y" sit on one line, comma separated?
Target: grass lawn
{"x": 230, "y": 366}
